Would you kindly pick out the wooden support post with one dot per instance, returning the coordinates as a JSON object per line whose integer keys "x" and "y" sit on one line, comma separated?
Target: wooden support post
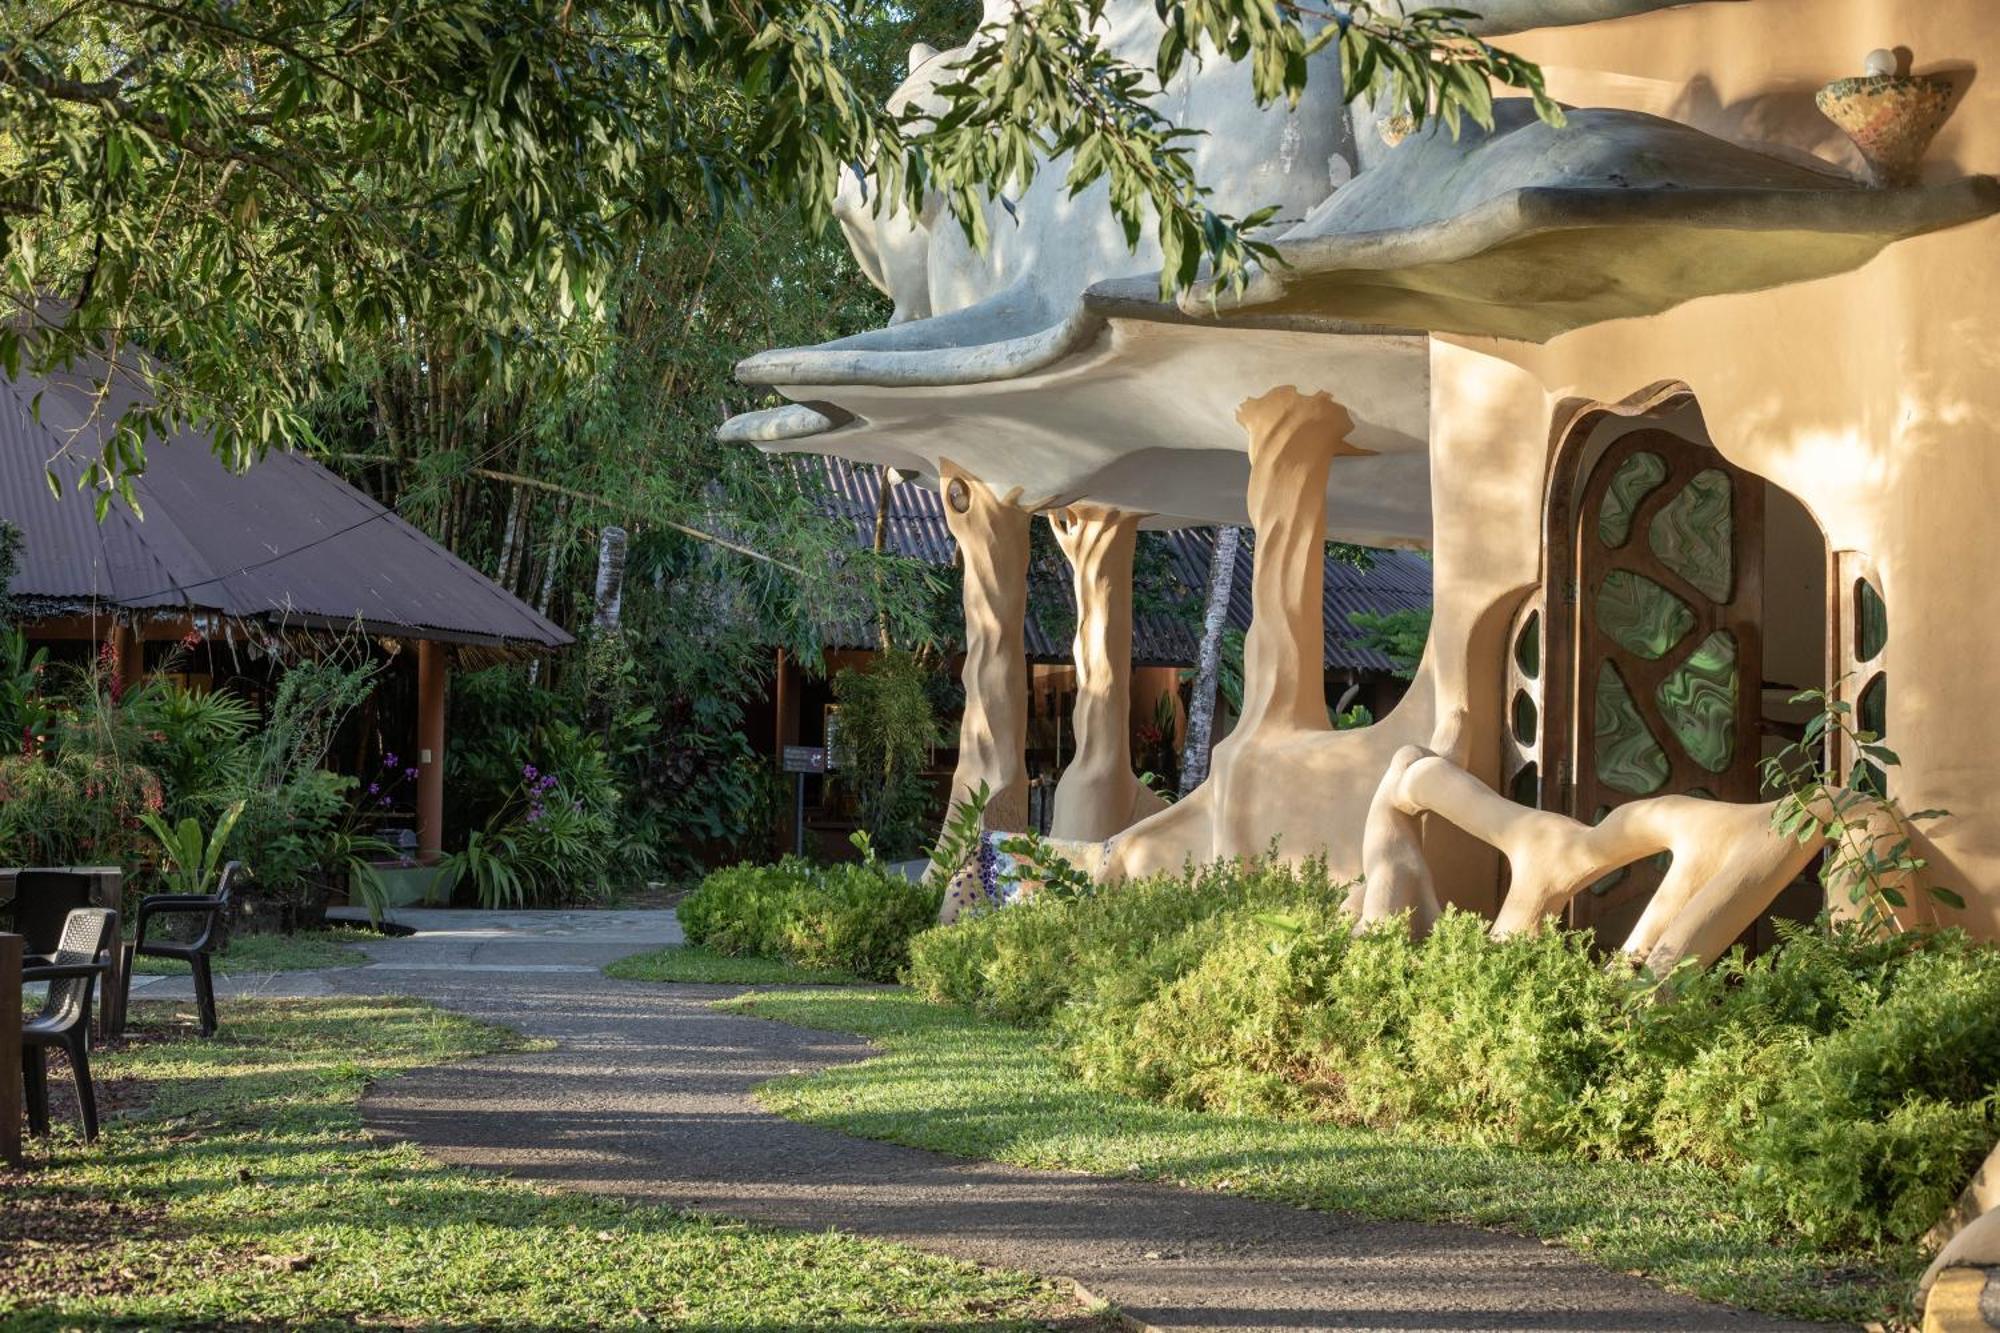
{"x": 128, "y": 649}
{"x": 431, "y": 673}
{"x": 784, "y": 731}
{"x": 10, "y": 1049}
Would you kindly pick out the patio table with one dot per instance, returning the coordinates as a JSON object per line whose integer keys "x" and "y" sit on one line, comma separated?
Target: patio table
{"x": 10, "y": 1049}
{"x": 107, "y": 889}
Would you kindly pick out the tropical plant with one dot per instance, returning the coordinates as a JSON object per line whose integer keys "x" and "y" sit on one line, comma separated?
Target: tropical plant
{"x": 960, "y": 839}
{"x": 24, "y": 711}
{"x": 886, "y": 730}
{"x": 1870, "y": 837}
{"x": 487, "y": 862}
{"x": 191, "y": 857}
{"x": 196, "y": 740}
{"x": 1398, "y": 635}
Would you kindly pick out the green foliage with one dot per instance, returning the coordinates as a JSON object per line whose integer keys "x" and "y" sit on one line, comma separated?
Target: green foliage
{"x": 1870, "y": 837}
{"x": 850, "y": 918}
{"x": 24, "y": 713}
{"x": 1398, "y": 635}
{"x": 959, "y": 841}
{"x": 886, "y": 730}
{"x": 190, "y": 856}
{"x": 196, "y": 740}
{"x": 475, "y": 173}
{"x": 1845, "y": 1082}
{"x": 10, "y": 556}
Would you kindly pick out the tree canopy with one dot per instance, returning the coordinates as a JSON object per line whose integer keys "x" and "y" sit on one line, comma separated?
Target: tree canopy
{"x": 262, "y": 198}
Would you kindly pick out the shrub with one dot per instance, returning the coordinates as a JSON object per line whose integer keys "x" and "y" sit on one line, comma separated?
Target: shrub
{"x": 853, "y": 918}
{"x": 1846, "y": 1081}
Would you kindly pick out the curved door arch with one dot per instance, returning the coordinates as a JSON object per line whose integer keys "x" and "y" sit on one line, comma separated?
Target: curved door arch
{"x": 1659, "y": 584}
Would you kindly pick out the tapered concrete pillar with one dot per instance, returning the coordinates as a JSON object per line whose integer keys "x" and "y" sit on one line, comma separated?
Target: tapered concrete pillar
{"x": 431, "y": 675}
{"x": 1293, "y": 441}
{"x": 1098, "y": 794}
{"x": 992, "y": 535}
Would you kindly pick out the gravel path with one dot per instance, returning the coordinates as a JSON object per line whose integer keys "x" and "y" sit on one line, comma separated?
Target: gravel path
{"x": 648, "y": 1096}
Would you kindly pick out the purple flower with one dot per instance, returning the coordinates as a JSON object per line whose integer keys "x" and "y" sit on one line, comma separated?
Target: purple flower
{"x": 410, "y": 775}
{"x": 374, "y": 789}
{"x": 528, "y": 772}
{"x": 535, "y": 813}
{"x": 389, "y": 760}
{"x": 386, "y": 802}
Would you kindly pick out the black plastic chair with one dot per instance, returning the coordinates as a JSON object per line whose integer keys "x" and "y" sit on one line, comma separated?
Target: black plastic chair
{"x": 43, "y": 900}
{"x": 207, "y": 912}
{"x": 71, "y": 972}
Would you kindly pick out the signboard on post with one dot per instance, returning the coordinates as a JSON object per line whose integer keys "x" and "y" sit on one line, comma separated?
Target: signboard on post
{"x": 799, "y": 760}
{"x": 805, "y": 759}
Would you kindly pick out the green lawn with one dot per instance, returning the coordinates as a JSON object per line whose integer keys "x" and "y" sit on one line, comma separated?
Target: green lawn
{"x": 332, "y": 947}
{"x": 246, "y": 1194}
{"x": 691, "y": 963}
{"x": 956, "y": 1084}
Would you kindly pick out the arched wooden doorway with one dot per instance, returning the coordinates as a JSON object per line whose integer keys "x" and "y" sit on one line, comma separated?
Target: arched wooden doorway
{"x": 1656, "y": 612}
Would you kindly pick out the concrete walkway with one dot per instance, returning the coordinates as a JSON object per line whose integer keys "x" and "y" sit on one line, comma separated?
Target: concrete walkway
{"x": 648, "y": 1096}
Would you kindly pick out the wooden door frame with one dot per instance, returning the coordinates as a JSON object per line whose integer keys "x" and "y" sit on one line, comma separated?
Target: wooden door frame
{"x": 1576, "y": 421}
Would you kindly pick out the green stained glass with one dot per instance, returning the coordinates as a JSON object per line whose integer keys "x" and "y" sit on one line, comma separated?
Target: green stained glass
{"x": 1691, "y": 534}
{"x": 1630, "y": 484}
{"x": 1871, "y": 622}
{"x": 1698, "y": 699}
{"x": 1640, "y": 615}
{"x": 1526, "y": 789}
{"x": 1872, "y": 709}
{"x": 1525, "y": 718}
{"x": 1628, "y": 757}
{"x": 1528, "y": 646}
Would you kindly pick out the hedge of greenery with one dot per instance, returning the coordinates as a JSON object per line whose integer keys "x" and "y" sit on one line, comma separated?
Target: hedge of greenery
{"x": 1847, "y": 1083}
{"x": 855, "y": 918}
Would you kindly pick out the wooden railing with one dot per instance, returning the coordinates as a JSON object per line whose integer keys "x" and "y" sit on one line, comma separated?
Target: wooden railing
{"x": 10, "y": 1049}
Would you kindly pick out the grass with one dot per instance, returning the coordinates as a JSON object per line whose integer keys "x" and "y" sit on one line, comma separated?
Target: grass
{"x": 307, "y": 949}
{"x": 691, "y": 963}
{"x": 246, "y": 1194}
{"x": 957, "y": 1084}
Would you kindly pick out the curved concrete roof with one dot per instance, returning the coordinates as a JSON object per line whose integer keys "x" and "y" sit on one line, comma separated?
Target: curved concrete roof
{"x": 1050, "y": 365}
{"x": 1531, "y": 230}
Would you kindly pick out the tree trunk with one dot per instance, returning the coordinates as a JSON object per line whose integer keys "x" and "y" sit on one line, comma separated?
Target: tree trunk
{"x": 1208, "y": 666}
{"x": 887, "y": 477}
{"x": 610, "y": 577}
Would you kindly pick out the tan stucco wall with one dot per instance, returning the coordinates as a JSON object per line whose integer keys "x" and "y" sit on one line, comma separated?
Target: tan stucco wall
{"x": 1873, "y": 397}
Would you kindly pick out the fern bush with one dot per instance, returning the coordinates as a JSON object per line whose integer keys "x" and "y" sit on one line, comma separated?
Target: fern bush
{"x": 1848, "y": 1083}
{"x": 855, "y": 917}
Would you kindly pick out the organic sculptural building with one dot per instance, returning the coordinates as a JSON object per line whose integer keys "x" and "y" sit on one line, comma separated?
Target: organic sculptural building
{"x": 1693, "y": 400}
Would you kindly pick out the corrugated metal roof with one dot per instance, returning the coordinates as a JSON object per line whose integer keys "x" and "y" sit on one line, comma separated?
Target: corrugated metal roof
{"x": 1397, "y": 581}
{"x": 287, "y": 543}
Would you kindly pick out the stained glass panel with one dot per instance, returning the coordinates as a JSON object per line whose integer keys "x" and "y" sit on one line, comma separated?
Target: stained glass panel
{"x": 1628, "y": 757}
{"x": 1640, "y": 615}
{"x": 1698, "y": 699}
{"x": 1634, "y": 480}
{"x": 1525, "y": 718}
{"x": 1528, "y": 646}
{"x": 1526, "y": 789}
{"x": 1871, "y": 622}
{"x": 1691, "y": 534}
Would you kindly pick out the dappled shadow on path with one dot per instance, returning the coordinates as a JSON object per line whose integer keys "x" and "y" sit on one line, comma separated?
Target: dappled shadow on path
{"x": 649, "y": 1096}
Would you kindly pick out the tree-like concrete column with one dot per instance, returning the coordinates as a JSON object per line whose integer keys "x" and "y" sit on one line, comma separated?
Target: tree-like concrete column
{"x": 992, "y": 535}
{"x": 1098, "y": 795}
